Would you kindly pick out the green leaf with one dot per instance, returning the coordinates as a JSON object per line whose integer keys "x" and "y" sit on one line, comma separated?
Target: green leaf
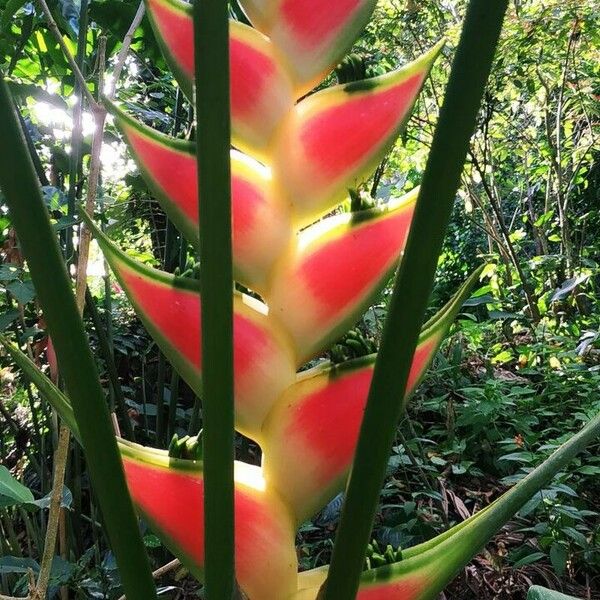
{"x": 529, "y": 559}
{"x": 9, "y": 272}
{"x": 45, "y": 386}
{"x": 558, "y": 556}
{"x": 13, "y": 564}
{"x": 537, "y": 592}
{"x": 12, "y": 7}
{"x": 576, "y": 536}
{"x": 23, "y": 291}
{"x": 8, "y": 318}
{"x": 12, "y": 493}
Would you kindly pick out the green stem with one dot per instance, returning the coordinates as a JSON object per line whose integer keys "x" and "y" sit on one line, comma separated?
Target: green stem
{"x": 39, "y": 245}
{"x": 113, "y": 375}
{"x": 161, "y": 377}
{"x": 35, "y": 157}
{"x": 412, "y": 288}
{"x": 211, "y": 45}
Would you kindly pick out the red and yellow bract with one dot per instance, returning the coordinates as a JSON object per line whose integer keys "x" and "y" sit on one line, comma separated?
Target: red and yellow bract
{"x": 315, "y": 274}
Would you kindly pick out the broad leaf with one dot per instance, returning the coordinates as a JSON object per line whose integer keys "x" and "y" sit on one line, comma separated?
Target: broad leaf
{"x": 12, "y": 492}
{"x": 537, "y": 592}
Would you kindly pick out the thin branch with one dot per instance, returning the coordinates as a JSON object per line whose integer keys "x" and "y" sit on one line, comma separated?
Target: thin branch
{"x": 39, "y": 592}
{"x": 85, "y": 235}
{"x": 535, "y": 314}
{"x": 155, "y": 574}
{"x": 122, "y": 56}
{"x": 60, "y": 465}
{"x": 70, "y": 59}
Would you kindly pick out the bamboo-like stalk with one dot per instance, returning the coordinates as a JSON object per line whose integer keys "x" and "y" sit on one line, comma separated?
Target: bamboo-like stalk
{"x": 38, "y": 241}
{"x": 85, "y": 235}
{"x": 211, "y": 44}
{"x": 412, "y": 288}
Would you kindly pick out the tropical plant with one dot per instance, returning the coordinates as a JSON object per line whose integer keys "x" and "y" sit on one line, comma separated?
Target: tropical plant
{"x": 315, "y": 273}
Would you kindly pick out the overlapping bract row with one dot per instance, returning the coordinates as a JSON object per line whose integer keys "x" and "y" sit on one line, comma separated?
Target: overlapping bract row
{"x": 295, "y": 158}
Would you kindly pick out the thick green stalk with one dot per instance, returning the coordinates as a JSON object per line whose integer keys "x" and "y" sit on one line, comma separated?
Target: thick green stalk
{"x": 211, "y": 33}
{"x": 38, "y": 241}
{"x": 412, "y": 288}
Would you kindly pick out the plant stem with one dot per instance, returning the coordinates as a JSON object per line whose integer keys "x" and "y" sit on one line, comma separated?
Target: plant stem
{"x": 525, "y": 285}
{"x": 75, "y": 159}
{"x": 85, "y": 235}
{"x": 121, "y": 57}
{"x": 211, "y": 44}
{"x": 60, "y": 464}
{"x": 38, "y": 242}
{"x": 170, "y": 566}
{"x": 412, "y": 288}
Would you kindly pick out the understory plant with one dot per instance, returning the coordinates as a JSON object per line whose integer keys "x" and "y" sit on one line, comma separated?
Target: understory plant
{"x": 306, "y": 271}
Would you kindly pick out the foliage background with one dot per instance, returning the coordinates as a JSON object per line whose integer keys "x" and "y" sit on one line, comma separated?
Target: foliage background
{"x": 518, "y": 375}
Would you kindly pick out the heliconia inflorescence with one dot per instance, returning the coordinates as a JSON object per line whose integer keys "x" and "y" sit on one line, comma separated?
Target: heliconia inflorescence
{"x": 294, "y": 159}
